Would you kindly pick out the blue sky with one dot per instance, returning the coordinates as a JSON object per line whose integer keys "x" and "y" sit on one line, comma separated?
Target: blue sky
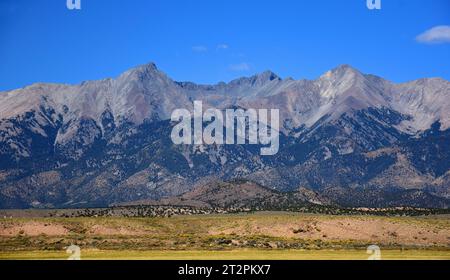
{"x": 218, "y": 40}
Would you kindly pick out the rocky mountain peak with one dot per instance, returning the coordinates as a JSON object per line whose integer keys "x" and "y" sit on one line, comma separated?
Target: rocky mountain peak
{"x": 257, "y": 80}
{"x": 267, "y": 76}
{"x": 341, "y": 73}
{"x": 150, "y": 66}
{"x": 141, "y": 73}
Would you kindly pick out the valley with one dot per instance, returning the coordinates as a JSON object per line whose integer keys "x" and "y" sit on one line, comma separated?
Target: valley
{"x": 266, "y": 235}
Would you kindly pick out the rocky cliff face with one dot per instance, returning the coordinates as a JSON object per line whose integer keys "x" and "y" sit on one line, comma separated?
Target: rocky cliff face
{"x": 358, "y": 139}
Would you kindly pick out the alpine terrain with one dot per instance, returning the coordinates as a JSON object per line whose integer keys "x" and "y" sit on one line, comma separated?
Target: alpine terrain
{"x": 347, "y": 139}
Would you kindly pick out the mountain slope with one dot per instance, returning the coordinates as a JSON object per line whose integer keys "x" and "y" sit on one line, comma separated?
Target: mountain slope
{"x": 239, "y": 194}
{"x": 108, "y": 141}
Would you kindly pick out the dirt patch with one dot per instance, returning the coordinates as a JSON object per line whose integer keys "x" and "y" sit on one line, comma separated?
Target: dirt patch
{"x": 371, "y": 230}
{"x": 33, "y": 229}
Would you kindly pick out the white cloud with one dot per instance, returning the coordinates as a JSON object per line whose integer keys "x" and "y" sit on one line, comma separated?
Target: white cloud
{"x": 199, "y": 48}
{"x": 222, "y": 46}
{"x": 437, "y": 34}
{"x": 244, "y": 66}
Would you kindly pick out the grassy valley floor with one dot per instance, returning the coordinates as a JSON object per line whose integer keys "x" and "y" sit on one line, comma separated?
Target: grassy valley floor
{"x": 244, "y": 254}
{"x": 261, "y": 235}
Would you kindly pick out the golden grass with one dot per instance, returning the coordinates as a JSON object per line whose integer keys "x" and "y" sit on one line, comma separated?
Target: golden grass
{"x": 245, "y": 254}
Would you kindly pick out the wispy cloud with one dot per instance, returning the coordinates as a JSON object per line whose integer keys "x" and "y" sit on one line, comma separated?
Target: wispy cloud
{"x": 437, "y": 34}
{"x": 244, "y": 66}
{"x": 222, "y": 46}
{"x": 199, "y": 49}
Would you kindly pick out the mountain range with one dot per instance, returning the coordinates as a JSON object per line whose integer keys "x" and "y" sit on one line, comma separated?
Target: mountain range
{"x": 346, "y": 138}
